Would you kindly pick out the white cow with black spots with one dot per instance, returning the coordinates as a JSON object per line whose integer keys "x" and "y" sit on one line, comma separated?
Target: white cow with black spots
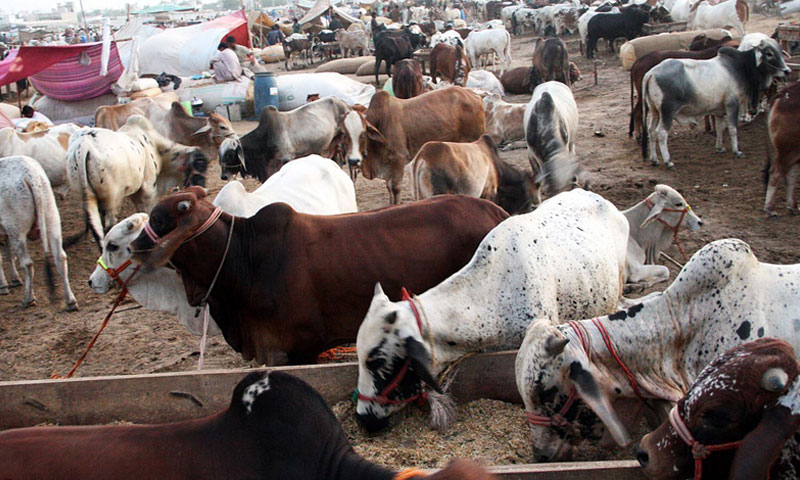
{"x": 564, "y": 261}
{"x": 26, "y": 203}
{"x": 723, "y": 297}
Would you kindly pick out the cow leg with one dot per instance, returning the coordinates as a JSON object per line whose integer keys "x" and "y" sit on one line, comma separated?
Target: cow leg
{"x": 732, "y": 112}
{"x": 60, "y": 259}
{"x": 791, "y": 183}
{"x": 719, "y": 125}
{"x": 20, "y": 250}
{"x": 12, "y": 263}
{"x": 773, "y": 178}
{"x": 663, "y": 134}
{"x": 3, "y": 284}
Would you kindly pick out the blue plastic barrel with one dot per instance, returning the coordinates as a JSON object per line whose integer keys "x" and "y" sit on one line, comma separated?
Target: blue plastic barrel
{"x": 265, "y": 91}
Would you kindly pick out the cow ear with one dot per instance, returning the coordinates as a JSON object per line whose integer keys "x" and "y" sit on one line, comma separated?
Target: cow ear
{"x": 359, "y": 108}
{"x": 658, "y": 206}
{"x": 198, "y": 191}
{"x": 205, "y": 128}
{"x": 590, "y": 392}
{"x": 421, "y": 362}
{"x": 758, "y": 55}
{"x": 378, "y": 290}
{"x": 374, "y": 134}
{"x": 272, "y": 107}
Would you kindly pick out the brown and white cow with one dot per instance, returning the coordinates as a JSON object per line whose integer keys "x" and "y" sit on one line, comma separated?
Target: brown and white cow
{"x": 247, "y": 440}
{"x": 473, "y": 169}
{"x": 407, "y": 81}
{"x": 504, "y": 121}
{"x": 171, "y": 121}
{"x": 48, "y": 147}
{"x": 743, "y": 409}
{"x": 449, "y": 63}
{"x": 416, "y": 246}
{"x": 783, "y": 154}
{"x": 397, "y": 129}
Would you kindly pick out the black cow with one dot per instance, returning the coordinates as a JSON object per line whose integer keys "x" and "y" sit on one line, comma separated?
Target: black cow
{"x": 628, "y": 23}
{"x": 391, "y": 47}
{"x": 276, "y": 427}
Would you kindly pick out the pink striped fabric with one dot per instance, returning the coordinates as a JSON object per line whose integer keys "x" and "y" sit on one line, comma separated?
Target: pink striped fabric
{"x": 67, "y": 79}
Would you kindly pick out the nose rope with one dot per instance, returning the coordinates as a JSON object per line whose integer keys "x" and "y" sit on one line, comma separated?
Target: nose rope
{"x": 699, "y": 451}
{"x": 649, "y": 204}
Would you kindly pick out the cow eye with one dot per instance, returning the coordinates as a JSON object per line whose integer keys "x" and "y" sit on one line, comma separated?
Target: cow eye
{"x": 716, "y": 419}
{"x": 375, "y": 364}
{"x": 112, "y": 247}
{"x": 679, "y": 204}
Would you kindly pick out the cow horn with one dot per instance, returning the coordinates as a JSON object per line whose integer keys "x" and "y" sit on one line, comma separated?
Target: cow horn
{"x": 205, "y": 128}
{"x": 774, "y": 380}
{"x": 554, "y": 346}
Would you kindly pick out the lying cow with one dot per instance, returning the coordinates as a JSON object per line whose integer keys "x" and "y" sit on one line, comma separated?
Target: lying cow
{"x": 313, "y": 185}
{"x": 783, "y": 154}
{"x": 733, "y": 13}
{"x": 672, "y": 92}
{"x": 113, "y": 117}
{"x": 173, "y": 122}
{"x": 550, "y": 62}
{"x": 654, "y": 225}
{"x": 723, "y": 297}
{"x": 417, "y": 245}
{"x": 551, "y": 126}
{"x": 27, "y": 203}
{"x": 48, "y": 147}
{"x": 627, "y": 23}
{"x": 397, "y": 129}
{"x": 473, "y": 169}
{"x": 407, "y": 81}
{"x": 449, "y": 63}
{"x": 489, "y": 42}
{"x": 485, "y": 81}
{"x": 283, "y": 136}
{"x": 564, "y": 261}
{"x": 250, "y": 440}
{"x": 517, "y": 80}
{"x": 743, "y": 406}
{"x": 135, "y": 161}
{"x": 504, "y": 121}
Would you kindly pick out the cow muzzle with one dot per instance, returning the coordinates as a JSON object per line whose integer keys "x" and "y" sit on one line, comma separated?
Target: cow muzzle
{"x": 354, "y": 162}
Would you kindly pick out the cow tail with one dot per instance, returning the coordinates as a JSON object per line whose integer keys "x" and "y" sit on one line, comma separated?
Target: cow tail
{"x": 507, "y": 51}
{"x": 38, "y": 193}
{"x": 77, "y": 161}
{"x": 644, "y": 118}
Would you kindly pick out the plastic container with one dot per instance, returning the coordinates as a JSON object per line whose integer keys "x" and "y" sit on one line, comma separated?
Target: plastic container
{"x": 187, "y": 104}
{"x": 265, "y": 91}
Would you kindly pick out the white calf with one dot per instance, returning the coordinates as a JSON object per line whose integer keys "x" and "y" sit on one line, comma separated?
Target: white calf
{"x": 654, "y": 225}
{"x": 489, "y": 42}
{"x": 48, "y": 147}
{"x": 27, "y": 202}
{"x": 564, "y": 260}
{"x": 312, "y": 184}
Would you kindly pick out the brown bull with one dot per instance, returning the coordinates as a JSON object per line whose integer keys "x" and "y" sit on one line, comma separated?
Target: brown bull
{"x": 397, "y": 129}
{"x": 290, "y": 286}
{"x": 449, "y": 63}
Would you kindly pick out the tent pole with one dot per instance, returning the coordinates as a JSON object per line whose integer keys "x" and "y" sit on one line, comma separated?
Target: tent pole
{"x": 85, "y": 23}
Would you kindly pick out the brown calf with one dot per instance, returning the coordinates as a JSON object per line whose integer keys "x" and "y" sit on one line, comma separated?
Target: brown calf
{"x": 517, "y": 80}
{"x": 407, "y": 81}
{"x": 473, "y": 169}
{"x": 783, "y": 154}
{"x": 450, "y": 63}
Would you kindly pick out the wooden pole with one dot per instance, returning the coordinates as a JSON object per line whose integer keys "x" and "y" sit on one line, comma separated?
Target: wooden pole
{"x": 85, "y": 22}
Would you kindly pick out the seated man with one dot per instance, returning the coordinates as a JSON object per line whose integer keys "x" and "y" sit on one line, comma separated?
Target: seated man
{"x": 30, "y": 115}
{"x": 226, "y": 65}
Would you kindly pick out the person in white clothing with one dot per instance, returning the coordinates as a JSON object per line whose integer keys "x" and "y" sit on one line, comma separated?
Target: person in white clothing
{"x": 226, "y": 65}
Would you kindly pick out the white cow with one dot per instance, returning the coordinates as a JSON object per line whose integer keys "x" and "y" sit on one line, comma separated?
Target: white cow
{"x": 27, "y": 203}
{"x": 551, "y": 126}
{"x": 507, "y": 14}
{"x": 730, "y": 13}
{"x": 723, "y": 297}
{"x": 562, "y": 261}
{"x": 489, "y": 42}
{"x": 48, "y": 147}
{"x": 135, "y": 161}
{"x": 482, "y": 80}
{"x": 313, "y": 185}
{"x": 449, "y": 37}
{"x": 654, "y": 225}
{"x": 680, "y": 10}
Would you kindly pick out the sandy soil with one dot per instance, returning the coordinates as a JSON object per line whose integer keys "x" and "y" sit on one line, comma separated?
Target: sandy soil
{"x": 725, "y": 191}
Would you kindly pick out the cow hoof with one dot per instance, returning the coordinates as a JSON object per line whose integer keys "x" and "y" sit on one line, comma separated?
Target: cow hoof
{"x": 4, "y": 291}
{"x": 72, "y": 307}
{"x": 29, "y": 303}
{"x": 721, "y": 150}
{"x": 670, "y": 166}
{"x": 654, "y": 163}
{"x": 740, "y": 154}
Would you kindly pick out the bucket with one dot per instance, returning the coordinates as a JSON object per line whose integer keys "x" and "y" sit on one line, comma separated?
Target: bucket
{"x": 265, "y": 91}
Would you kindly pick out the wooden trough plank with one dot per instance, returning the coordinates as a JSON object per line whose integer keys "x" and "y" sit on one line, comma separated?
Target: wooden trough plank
{"x": 613, "y": 470}
{"x": 169, "y": 397}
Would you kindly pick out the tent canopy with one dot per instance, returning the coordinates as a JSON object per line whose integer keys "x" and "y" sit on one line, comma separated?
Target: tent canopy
{"x": 257, "y": 19}
{"x": 321, "y": 7}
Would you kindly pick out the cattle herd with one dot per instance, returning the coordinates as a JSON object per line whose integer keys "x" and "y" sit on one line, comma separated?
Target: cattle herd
{"x": 487, "y": 257}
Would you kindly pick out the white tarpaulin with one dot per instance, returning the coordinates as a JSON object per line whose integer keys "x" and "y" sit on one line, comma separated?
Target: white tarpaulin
{"x": 294, "y": 89}
{"x": 133, "y": 29}
{"x": 321, "y": 7}
{"x": 187, "y": 51}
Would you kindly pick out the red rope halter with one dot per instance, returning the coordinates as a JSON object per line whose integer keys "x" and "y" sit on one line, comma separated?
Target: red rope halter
{"x": 649, "y": 204}
{"x": 699, "y": 451}
{"x": 153, "y": 236}
{"x": 383, "y": 397}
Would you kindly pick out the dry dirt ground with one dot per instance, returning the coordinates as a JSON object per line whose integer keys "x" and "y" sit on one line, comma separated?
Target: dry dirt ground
{"x": 725, "y": 191}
